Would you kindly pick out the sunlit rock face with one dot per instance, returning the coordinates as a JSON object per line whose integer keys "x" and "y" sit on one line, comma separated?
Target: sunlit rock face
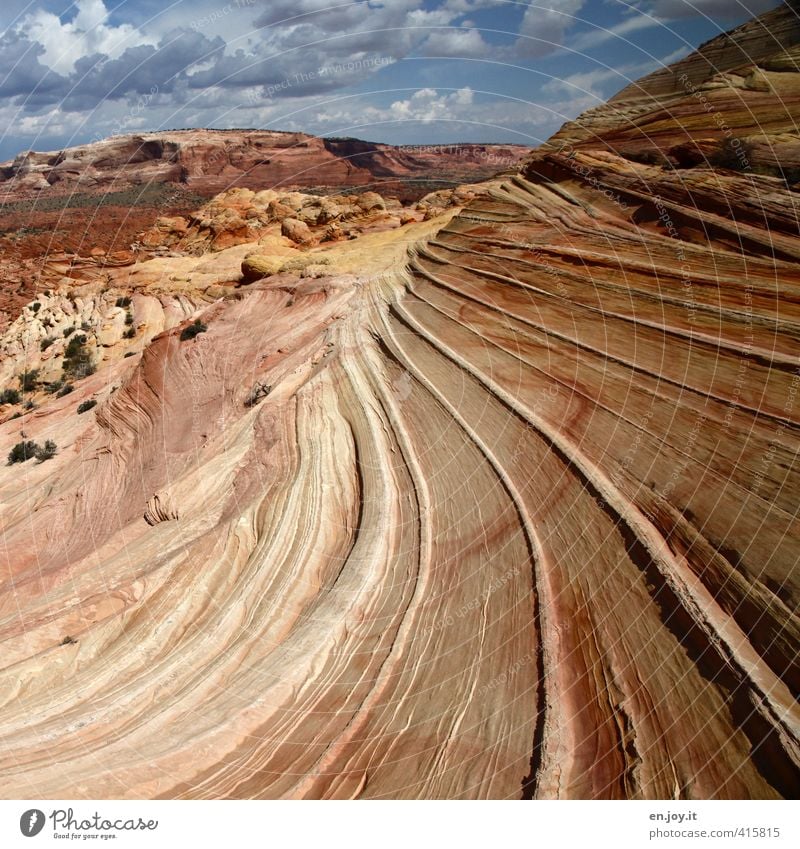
{"x": 740, "y": 88}
{"x": 497, "y": 503}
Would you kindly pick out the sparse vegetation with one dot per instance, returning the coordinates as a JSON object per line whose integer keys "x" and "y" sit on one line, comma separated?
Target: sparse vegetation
{"x": 22, "y": 451}
{"x": 732, "y": 154}
{"x": 129, "y": 318}
{"x": 46, "y": 343}
{"x": 77, "y": 359}
{"x": 26, "y": 449}
{"x": 54, "y": 387}
{"x": 130, "y": 333}
{"x": 46, "y": 451}
{"x": 123, "y": 302}
{"x": 128, "y": 354}
{"x": 28, "y": 380}
{"x": 65, "y": 390}
{"x": 648, "y": 157}
{"x": 9, "y": 396}
{"x": 35, "y": 307}
{"x": 85, "y": 326}
{"x": 85, "y": 406}
{"x": 192, "y": 330}
{"x": 68, "y": 331}
{"x": 739, "y": 156}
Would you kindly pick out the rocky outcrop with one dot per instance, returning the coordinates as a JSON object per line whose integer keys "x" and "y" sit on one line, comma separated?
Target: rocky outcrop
{"x": 211, "y": 161}
{"x": 502, "y": 504}
{"x": 739, "y": 89}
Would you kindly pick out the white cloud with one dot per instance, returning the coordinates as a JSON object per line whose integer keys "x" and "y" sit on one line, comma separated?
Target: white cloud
{"x": 87, "y": 33}
{"x": 544, "y": 25}
{"x": 627, "y": 26}
{"x": 455, "y": 43}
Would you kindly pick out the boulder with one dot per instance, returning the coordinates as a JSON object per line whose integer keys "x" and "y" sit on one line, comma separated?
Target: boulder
{"x": 296, "y": 230}
{"x": 258, "y": 266}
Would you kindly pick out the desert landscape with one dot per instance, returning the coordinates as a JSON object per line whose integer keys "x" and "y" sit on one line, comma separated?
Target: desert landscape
{"x": 339, "y": 470}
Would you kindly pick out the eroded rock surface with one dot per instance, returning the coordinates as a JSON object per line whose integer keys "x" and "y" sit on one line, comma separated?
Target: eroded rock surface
{"x": 501, "y": 502}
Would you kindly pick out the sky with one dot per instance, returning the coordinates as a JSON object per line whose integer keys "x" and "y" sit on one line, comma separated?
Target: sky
{"x": 397, "y": 71}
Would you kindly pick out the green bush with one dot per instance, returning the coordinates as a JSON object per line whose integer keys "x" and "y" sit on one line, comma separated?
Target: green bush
{"x": 123, "y": 302}
{"x": 192, "y": 330}
{"x": 35, "y": 307}
{"x": 85, "y": 325}
{"x": 64, "y": 390}
{"x": 54, "y": 387}
{"x": 9, "y": 396}
{"x": 46, "y": 451}
{"x": 28, "y": 379}
{"x": 129, "y": 354}
{"x": 22, "y": 451}
{"x": 130, "y": 333}
{"x": 77, "y": 360}
{"x": 46, "y": 343}
{"x": 75, "y": 345}
{"x": 68, "y": 331}
{"x": 87, "y": 405}
{"x": 129, "y": 318}
{"x": 732, "y": 154}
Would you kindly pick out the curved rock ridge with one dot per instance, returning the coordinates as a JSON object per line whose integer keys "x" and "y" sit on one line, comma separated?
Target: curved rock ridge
{"x": 500, "y": 503}
{"x": 741, "y": 87}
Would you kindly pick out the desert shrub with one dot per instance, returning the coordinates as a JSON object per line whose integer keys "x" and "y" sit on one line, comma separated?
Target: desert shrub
{"x": 9, "y": 396}
{"x": 192, "y": 330}
{"x": 46, "y": 451}
{"x": 54, "y": 387}
{"x": 130, "y": 333}
{"x": 77, "y": 360}
{"x": 791, "y": 175}
{"x": 29, "y": 405}
{"x": 75, "y": 345}
{"x": 22, "y": 451}
{"x": 68, "y": 331}
{"x": 85, "y": 325}
{"x": 28, "y": 379}
{"x": 46, "y": 343}
{"x": 123, "y": 302}
{"x": 129, "y": 354}
{"x": 646, "y": 157}
{"x": 732, "y": 154}
{"x": 35, "y": 307}
{"x": 129, "y": 318}
{"x": 64, "y": 390}
{"x": 85, "y": 406}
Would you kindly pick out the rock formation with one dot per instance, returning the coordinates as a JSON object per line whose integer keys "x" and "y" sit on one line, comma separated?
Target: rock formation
{"x": 497, "y": 502}
{"x": 209, "y": 161}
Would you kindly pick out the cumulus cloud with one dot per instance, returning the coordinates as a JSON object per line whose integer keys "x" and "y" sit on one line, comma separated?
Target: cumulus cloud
{"x": 544, "y": 26}
{"x": 455, "y": 43}
{"x": 86, "y": 34}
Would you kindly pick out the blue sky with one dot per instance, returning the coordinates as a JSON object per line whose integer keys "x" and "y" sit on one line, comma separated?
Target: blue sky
{"x": 400, "y": 71}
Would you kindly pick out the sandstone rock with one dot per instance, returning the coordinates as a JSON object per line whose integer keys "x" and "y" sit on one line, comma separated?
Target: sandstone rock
{"x": 333, "y": 232}
{"x": 548, "y": 457}
{"x": 257, "y": 266}
{"x": 370, "y": 201}
{"x": 297, "y": 231}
